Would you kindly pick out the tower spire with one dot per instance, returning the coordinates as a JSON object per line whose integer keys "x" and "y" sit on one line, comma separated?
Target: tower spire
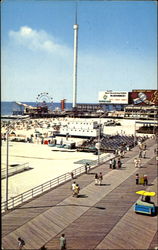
{"x": 75, "y": 27}
{"x": 76, "y": 14}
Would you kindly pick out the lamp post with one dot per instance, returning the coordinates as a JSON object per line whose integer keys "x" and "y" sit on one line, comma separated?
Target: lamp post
{"x": 135, "y": 134}
{"x": 7, "y": 166}
{"x": 98, "y": 143}
{"x": 154, "y": 125}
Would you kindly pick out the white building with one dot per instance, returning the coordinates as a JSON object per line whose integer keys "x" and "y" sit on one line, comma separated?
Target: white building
{"x": 80, "y": 128}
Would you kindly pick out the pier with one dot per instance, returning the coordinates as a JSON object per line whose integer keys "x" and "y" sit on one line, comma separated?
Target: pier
{"x": 102, "y": 217}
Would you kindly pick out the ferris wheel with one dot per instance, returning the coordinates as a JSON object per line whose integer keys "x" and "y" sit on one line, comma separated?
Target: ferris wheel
{"x": 44, "y": 100}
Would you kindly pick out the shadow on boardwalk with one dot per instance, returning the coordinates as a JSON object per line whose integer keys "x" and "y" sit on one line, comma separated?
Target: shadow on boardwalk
{"x": 67, "y": 205}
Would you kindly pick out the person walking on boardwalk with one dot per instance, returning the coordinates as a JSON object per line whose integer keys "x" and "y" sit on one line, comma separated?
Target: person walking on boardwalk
{"x": 144, "y": 146}
{"x": 62, "y": 242}
{"x": 76, "y": 190}
{"x": 110, "y": 164}
{"x": 21, "y": 243}
{"x": 96, "y": 179}
{"x": 114, "y": 164}
{"x": 145, "y": 177}
{"x": 87, "y": 168}
{"x": 140, "y": 153}
{"x": 137, "y": 179}
{"x": 72, "y": 175}
{"x": 73, "y": 188}
{"x": 100, "y": 178}
{"x": 139, "y": 163}
{"x": 136, "y": 162}
{"x": 144, "y": 153}
{"x": 122, "y": 153}
{"x": 119, "y": 163}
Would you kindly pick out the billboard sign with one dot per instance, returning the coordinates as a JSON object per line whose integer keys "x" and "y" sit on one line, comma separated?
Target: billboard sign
{"x": 116, "y": 97}
{"x": 143, "y": 97}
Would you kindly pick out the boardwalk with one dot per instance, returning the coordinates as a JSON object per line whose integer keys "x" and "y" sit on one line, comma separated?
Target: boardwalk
{"x": 101, "y": 218}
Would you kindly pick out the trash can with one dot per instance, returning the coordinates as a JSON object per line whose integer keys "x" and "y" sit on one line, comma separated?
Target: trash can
{"x": 141, "y": 180}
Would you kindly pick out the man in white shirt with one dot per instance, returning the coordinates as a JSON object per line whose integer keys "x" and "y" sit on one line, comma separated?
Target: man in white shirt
{"x": 73, "y": 188}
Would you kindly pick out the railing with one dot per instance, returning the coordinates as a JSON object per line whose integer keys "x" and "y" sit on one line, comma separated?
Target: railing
{"x": 19, "y": 199}
{"x": 15, "y": 170}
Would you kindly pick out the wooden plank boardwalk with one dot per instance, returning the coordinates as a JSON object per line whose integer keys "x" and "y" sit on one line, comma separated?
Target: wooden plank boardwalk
{"x": 130, "y": 229}
{"x": 88, "y": 221}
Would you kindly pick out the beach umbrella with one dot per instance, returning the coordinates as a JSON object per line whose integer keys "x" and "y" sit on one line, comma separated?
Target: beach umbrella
{"x": 146, "y": 193}
{"x": 141, "y": 192}
{"x": 149, "y": 194}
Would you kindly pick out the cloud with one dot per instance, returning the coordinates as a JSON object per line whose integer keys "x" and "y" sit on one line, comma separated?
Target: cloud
{"x": 51, "y": 68}
{"x": 38, "y": 40}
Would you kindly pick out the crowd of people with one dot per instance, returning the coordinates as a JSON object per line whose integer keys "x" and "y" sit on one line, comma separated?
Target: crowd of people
{"x": 138, "y": 163}
{"x": 141, "y": 179}
{"x": 113, "y": 164}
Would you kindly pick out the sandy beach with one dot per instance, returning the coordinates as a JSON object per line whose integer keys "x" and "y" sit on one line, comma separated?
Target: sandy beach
{"x": 45, "y": 163}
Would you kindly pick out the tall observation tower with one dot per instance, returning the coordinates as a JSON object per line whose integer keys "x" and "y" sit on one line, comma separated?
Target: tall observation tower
{"x": 75, "y": 27}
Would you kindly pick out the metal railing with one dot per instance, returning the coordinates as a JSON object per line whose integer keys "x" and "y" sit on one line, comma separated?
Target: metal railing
{"x": 15, "y": 170}
{"x": 23, "y": 197}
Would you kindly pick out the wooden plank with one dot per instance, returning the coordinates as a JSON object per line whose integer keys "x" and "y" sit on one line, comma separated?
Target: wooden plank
{"x": 154, "y": 242}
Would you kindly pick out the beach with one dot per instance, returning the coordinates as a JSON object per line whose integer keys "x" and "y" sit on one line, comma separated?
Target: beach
{"x": 46, "y": 162}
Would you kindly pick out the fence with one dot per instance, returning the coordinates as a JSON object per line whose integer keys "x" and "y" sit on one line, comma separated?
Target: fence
{"x": 19, "y": 199}
{"x": 15, "y": 170}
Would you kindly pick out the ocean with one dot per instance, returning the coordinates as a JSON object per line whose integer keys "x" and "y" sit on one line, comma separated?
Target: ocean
{"x": 7, "y": 108}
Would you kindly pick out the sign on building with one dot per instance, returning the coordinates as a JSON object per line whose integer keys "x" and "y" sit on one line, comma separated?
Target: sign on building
{"x": 113, "y": 97}
{"x": 143, "y": 97}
